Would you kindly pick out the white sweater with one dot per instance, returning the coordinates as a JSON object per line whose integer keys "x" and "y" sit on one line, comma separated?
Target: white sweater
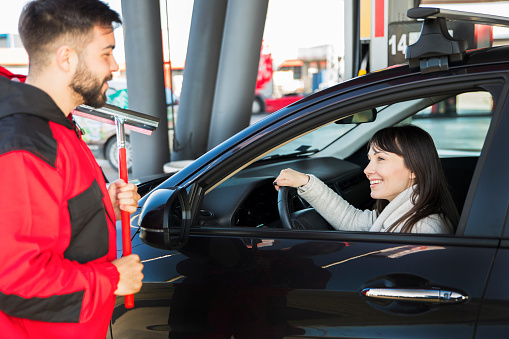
{"x": 344, "y": 217}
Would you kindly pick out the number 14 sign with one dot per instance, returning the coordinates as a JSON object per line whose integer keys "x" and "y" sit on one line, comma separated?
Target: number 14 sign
{"x": 403, "y": 34}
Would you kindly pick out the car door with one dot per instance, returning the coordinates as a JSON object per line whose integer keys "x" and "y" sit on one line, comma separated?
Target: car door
{"x": 243, "y": 281}
{"x": 490, "y": 209}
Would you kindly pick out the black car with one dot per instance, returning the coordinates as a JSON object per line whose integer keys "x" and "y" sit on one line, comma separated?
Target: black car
{"x": 221, "y": 263}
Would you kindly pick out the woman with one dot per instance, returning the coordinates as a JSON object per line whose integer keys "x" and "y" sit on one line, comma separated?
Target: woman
{"x": 406, "y": 179}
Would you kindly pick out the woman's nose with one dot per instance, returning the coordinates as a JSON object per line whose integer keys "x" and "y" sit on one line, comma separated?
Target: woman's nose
{"x": 369, "y": 169}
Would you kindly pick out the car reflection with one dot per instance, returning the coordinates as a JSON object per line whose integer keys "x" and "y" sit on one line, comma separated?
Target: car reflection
{"x": 246, "y": 289}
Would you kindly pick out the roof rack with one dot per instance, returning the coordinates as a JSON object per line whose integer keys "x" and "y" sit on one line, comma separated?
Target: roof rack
{"x": 436, "y": 47}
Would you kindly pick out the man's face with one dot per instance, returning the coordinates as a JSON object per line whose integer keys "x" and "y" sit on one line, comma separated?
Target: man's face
{"x": 96, "y": 64}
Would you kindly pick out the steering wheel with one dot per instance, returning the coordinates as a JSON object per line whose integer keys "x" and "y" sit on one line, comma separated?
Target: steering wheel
{"x": 282, "y": 206}
{"x": 306, "y": 219}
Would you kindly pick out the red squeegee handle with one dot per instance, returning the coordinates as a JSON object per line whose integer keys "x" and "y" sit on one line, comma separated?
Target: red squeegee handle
{"x": 125, "y": 216}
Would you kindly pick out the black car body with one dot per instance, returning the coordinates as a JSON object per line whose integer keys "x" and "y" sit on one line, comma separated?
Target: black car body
{"x": 240, "y": 274}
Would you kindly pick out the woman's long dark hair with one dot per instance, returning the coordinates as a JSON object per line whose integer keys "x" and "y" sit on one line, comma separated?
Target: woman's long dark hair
{"x": 431, "y": 192}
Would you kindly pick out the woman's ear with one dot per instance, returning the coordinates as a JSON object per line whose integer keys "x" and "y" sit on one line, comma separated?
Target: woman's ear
{"x": 412, "y": 176}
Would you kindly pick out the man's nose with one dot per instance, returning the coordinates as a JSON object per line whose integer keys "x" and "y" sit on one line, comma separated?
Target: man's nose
{"x": 114, "y": 65}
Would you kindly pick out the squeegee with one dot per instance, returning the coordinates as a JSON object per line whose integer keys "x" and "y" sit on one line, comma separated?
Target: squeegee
{"x": 122, "y": 119}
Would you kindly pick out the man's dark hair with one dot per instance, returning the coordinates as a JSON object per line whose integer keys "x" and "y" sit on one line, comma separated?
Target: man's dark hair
{"x": 44, "y": 22}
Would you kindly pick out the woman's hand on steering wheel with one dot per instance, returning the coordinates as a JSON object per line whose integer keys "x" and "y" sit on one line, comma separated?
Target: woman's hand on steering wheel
{"x": 288, "y": 178}
{"x": 291, "y": 178}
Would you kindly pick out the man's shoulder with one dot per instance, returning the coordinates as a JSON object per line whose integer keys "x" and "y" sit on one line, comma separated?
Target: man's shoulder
{"x": 26, "y": 132}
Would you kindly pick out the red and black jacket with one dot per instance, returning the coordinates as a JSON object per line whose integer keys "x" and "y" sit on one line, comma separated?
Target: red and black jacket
{"x": 57, "y": 231}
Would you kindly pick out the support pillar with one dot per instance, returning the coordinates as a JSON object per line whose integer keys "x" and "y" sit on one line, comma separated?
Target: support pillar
{"x": 238, "y": 68}
{"x": 200, "y": 74}
{"x": 352, "y": 38}
{"x": 145, "y": 83}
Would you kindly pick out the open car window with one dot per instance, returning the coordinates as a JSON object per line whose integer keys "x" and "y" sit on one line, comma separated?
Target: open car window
{"x": 458, "y": 124}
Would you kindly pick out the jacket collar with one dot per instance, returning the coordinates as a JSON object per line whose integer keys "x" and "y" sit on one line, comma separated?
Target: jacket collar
{"x": 21, "y": 98}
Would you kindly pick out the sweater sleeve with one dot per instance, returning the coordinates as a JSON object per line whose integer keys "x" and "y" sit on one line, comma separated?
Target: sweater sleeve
{"x": 333, "y": 208}
{"x": 36, "y": 281}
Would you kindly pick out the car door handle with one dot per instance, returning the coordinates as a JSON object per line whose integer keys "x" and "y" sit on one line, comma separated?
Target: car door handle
{"x": 418, "y": 295}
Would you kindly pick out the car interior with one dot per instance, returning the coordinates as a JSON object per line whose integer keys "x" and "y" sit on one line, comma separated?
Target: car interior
{"x": 337, "y": 154}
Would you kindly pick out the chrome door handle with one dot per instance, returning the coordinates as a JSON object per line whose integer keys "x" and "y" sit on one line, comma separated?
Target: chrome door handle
{"x": 418, "y": 295}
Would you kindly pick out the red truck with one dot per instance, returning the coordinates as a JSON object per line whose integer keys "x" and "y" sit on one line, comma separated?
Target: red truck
{"x": 277, "y": 89}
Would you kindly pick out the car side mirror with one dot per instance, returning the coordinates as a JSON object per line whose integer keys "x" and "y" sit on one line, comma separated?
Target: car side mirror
{"x": 165, "y": 219}
{"x": 368, "y": 115}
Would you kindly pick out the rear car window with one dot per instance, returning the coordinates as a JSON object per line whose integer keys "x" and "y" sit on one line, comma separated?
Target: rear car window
{"x": 458, "y": 124}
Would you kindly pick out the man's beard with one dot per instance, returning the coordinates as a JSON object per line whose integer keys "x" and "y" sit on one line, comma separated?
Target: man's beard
{"x": 86, "y": 85}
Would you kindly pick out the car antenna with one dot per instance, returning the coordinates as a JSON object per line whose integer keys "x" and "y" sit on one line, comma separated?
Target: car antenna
{"x": 436, "y": 48}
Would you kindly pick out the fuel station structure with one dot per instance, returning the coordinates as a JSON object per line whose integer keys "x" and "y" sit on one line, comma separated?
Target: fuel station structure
{"x": 221, "y": 66}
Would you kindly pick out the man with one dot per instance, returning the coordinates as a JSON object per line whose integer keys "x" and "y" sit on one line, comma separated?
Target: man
{"x": 59, "y": 274}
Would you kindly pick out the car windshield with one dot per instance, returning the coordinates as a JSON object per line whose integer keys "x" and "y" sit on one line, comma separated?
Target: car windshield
{"x": 457, "y": 123}
{"x": 312, "y": 142}
{"x": 318, "y": 139}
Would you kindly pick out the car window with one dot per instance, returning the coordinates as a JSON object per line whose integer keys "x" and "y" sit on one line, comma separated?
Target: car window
{"x": 312, "y": 142}
{"x": 458, "y": 124}
{"x": 319, "y": 139}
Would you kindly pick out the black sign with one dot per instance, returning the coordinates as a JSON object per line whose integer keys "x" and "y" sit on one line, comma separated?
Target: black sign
{"x": 403, "y": 34}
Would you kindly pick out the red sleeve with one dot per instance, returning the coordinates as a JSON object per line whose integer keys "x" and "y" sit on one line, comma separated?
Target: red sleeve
{"x": 34, "y": 275}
